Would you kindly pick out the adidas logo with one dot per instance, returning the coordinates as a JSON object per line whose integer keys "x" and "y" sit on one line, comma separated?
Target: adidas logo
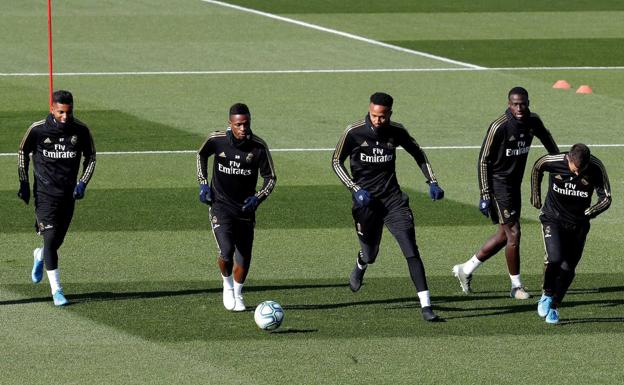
{"x": 222, "y": 155}
{"x": 512, "y": 138}
{"x": 558, "y": 177}
{"x": 47, "y": 141}
{"x": 364, "y": 144}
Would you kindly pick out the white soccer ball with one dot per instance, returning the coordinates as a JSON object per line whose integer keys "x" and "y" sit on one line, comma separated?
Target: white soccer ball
{"x": 269, "y": 315}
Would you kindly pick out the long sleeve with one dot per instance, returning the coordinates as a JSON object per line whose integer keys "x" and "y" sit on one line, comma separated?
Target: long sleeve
{"x": 27, "y": 146}
{"x": 341, "y": 153}
{"x": 267, "y": 171}
{"x": 413, "y": 148}
{"x": 205, "y": 151}
{"x": 603, "y": 191}
{"x": 88, "y": 166}
{"x": 537, "y": 174}
{"x": 487, "y": 148}
{"x": 547, "y": 140}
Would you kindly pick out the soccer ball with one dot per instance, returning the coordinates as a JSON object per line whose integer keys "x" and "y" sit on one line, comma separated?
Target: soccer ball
{"x": 269, "y": 315}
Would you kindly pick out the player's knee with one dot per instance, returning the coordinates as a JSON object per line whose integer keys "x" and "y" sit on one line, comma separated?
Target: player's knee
{"x": 567, "y": 268}
{"x": 369, "y": 254}
{"x": 226, "y": 255}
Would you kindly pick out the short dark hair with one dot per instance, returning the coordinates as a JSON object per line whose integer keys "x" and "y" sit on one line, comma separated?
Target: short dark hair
{"x": 62, "y": 97}
{"x": 382, "y": 99}
{"x": 580, "y": 155}
{"x": 239, "y": 109}
{"x": 518, "y": 91}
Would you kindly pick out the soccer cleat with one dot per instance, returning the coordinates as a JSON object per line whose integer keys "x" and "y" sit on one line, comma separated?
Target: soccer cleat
{"x": 355, "y": 280}
{"x": 552, "y": 317}
{"x": 519, "y": 292}
{"x": 428, "y": 314}
{"x": 239, "y": 304}
{"x": 464, "y": 279}
{"x": 59, "y": 298}
{"x": 543, "y": 305}
{"x": 37, "y": 271}
{"x": 228, "y": 299}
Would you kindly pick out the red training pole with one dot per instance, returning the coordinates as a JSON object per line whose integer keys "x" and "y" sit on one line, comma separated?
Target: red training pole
{"x": 50, "y": 49}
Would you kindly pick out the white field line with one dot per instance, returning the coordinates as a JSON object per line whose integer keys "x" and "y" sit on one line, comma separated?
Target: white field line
{"x": 302, "y": 71}
{"x": 169, "y": 152}
{"x": 341, "y": 33}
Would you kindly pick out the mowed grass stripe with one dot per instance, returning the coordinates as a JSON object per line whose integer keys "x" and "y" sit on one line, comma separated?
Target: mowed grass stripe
{"x": 326, "y": 308}
{"x": 425, "y": 6}
{"x": 512, "y": 52}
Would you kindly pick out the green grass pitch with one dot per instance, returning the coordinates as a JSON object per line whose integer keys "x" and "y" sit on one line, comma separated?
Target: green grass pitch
{"x": 139, "y": 260}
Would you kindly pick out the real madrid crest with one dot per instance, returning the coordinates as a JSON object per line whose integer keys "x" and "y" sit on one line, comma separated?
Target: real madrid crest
{"x": 506, "y": 213}
{"x": 249, "y": 157}
{"x": 74, "y": 140}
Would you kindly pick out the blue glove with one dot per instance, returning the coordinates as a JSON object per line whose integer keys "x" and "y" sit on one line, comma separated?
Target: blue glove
{"x": 362, "y": 198}
{"x": 435, "y": 191}
{"x": 79, "y": 190}
{"x": 205, "y": 194}
{"x": 484, "y": 206}
{"x": 251, "y": 204}
{"x": 24, "y": 192}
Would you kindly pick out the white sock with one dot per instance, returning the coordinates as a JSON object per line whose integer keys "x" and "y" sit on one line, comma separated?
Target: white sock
{"x": 424, "y": 298}
{"x": 39, "y": 255}
{"x": 238, "y": 289}
{"x": 515, "y": 280}
{"x": 53, "y": 277}
{"x": 471, "y": 265}
{"x": 228, "y": 282}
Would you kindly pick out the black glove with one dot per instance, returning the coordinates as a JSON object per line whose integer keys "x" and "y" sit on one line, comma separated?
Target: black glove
{"x": 24, "y": 192}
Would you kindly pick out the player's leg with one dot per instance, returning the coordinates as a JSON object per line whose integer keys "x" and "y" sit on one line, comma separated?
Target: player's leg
{"x": 400, "y": 223}
{"x": 243, "y": 239}
{"x": 463, "y": 271}
{"x": 223, "y": 234}
{"x": 369, "y": 227}
{"x": 574, "y": 241}
{"x": 553, "y": 248}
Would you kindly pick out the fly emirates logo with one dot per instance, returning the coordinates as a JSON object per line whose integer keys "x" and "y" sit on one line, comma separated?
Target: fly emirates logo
{"x": 233, "y": 168}
{"x": 521, "y": 150}
{"x": 569, "y": 189}
{"x": 377, "y": 157}
{"x": 59, "y": 152}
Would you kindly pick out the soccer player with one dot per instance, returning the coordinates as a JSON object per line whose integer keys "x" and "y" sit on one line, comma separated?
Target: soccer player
{"x": 565, "y": 217}
{"x": 239, "y": 156}
{"x": 56, "y": 145}
{"x": 500, "y": 170}
{"x": 370, "y": 144}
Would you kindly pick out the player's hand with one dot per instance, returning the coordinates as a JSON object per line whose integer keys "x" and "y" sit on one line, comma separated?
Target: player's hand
{"x": 24, "y": 192}
{"x": 205, "y": 194}
{"x": 435, "y": 191}
{"x": 484, "y": 206}
{"x": 79, "y": 190}
{"x": 362, "y": 198}
{"x": 251, "y": 204}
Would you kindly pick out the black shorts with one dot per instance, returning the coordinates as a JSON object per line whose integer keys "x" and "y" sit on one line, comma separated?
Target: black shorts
{"x": 564, "y": 243}
{"x": 393, "y": 212}
{"x": 232, "y": 233}
{"x": 53, "y": 213}
{"x": 505, "y": 206}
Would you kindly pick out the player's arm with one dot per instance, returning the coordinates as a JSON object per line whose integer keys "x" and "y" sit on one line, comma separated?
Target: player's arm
{"x": 88, "y": 165}
{"x": 603, "y": 191}
{"x": 267, "y": 171}
{"x": 341, "y": 153}
{"x": 27, "y": 146}
{"x": 537, "y": 174}
{"x": 205, "y": 151}
{"x": 488, "y": 148}
{"x": 546, "y": 138}
{"x": 413, "y": 148}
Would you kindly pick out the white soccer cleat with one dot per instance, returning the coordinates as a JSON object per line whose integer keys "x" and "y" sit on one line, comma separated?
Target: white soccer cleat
{"x": 464, "y": 279}
{"x": 519, "y": 292}
{"x": 228, "y": 299}
{"x": 239, "y": 303}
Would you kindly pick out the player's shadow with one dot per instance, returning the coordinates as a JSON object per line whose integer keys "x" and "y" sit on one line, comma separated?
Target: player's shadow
{"x": 97, "y": 296}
